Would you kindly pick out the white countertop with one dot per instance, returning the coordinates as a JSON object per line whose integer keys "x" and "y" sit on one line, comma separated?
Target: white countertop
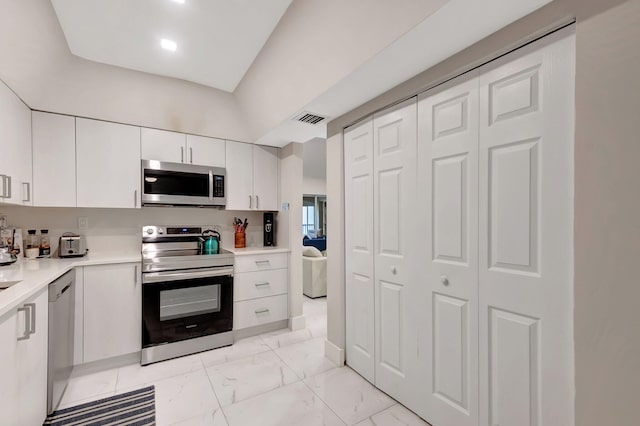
{"x": 256, "y": 250}
{"x": 35, "y": 274}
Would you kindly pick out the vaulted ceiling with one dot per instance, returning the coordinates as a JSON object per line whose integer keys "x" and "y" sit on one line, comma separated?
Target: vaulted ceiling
{"x": 101, "y": 58}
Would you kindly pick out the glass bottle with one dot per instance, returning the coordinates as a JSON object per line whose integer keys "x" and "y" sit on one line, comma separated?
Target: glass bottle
{"x": 32, "y": 239}
{"x": 45, "y": 245}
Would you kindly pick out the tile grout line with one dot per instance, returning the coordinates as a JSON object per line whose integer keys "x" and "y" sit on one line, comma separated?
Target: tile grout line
{"x": 213, "y": 390}
{"x": 324, "y": 403}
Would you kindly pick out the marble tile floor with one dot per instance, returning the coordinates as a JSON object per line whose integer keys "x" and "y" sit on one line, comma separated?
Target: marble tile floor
{"x": 279, "y": 378}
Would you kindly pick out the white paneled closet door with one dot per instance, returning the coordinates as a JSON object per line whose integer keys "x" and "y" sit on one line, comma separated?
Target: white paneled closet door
{"x": 359, "y": 292}
{"x": 448, "y": 206}
{"x": 395, "y": 225}
{"x": 526, "y": 236}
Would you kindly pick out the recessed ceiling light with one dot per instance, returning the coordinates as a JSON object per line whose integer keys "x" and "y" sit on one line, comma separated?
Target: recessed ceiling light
{"x": 179, "y": 1}
{"x": 168, "y": 45}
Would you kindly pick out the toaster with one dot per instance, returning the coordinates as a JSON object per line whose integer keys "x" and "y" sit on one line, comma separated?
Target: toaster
{"x": 72, "y": 245}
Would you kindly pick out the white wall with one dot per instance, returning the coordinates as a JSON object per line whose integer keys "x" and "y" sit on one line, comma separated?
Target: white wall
{"x": 116, "y": 229}
{"x": 290, "y": 225}
{"x": 315, "y": 167}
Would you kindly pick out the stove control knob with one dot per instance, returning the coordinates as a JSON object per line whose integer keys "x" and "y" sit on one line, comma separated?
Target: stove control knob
{"x": 160, "y": 231}
{"x": 150, "y": 231}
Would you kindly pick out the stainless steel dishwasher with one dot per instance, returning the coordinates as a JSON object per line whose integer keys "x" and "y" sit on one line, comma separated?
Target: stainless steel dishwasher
{"x": 61, "y": 329}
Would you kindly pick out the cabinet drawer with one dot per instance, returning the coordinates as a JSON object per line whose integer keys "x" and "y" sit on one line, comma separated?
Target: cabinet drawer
{"x": 251, "y": 285}
{"x": 260, "y": 262}
{"x": 249, "y": 313}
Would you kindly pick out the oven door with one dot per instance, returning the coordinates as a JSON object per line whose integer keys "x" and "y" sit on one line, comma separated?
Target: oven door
{"x": 180, "y": 305}
{"x": 182, "y": 184}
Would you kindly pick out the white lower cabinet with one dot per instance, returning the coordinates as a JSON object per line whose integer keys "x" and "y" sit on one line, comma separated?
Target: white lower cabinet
{"x": 112, "y": 311}
{"x": 23, "y": 356}
{"x": 260, "y": 290}
{"x": 473, "y": 325}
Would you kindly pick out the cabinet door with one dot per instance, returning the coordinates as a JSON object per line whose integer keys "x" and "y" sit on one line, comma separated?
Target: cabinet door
{"x": 32, "y": 365}
{"x": 205, "y": 151}
{"x": 54, "y": 160}
{"x": 448, "y": 208}
{"x": 358, "y": 216}
{"x": 9, "y": 367}
{"x": 108, "y": 164}
{"x": 395, "y": 266}
{"x": 112, "y": 311}
{"x": 162, "y": 145}
{"x": 265, "y": 178}
{"x": 239, "y": 157}
{"x": 15, "y": 146}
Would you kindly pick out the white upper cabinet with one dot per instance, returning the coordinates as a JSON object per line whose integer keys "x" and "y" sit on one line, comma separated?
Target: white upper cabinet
{"x": 252, "y": 175}
{"x": 108, "y": 164}
{"x": 205, "y": 151}
{"x": 15, "y": 149}
{"x": 239, "y": 176}
{"x": 54, "y": 160}
{"x": 175, "y": 147}
{"x": 162, "y": 145}
{"x": 265, "y": 177}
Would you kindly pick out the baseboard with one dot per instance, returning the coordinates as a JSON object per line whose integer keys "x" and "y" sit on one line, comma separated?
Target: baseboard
{"x": 106, "y": 364}
{"x": 260, "y": 329}
{"x": 297, "y": 323}
{"x": 334, "y": 353}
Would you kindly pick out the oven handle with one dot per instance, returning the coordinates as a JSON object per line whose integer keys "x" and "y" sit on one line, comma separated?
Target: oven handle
{"x": 158, "y": 277}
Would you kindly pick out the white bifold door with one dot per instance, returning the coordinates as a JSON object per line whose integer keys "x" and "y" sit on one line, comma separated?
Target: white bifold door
{"x": 359, "y": 285}
{"x": 459, "y": 233}
{"x": 526, "y": 236}
{"x": 448, "y": 200}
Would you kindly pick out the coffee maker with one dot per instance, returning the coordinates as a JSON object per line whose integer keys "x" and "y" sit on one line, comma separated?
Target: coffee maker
{"x": 269, "y": 229}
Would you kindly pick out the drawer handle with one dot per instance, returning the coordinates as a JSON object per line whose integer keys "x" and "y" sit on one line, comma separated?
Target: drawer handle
{"x": 261, "y": 311}
{"x": 260, "y": 262}
{"x": 27, "y": 323}
{"x": 261, "y": 284}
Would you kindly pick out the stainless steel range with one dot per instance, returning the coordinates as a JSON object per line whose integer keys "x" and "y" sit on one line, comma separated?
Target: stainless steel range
{"x": 187, "y": 295}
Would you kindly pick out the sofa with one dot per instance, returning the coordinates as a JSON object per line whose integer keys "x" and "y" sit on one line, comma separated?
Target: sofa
{"x": 314, "y": 273}
{"x": 320, "y": 243}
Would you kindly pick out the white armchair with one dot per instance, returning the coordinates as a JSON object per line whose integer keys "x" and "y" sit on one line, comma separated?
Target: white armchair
{"x": 314, "y": 273}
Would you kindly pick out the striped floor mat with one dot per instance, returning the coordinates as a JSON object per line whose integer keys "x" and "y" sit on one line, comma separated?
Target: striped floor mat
{"x": 135, "y": 408}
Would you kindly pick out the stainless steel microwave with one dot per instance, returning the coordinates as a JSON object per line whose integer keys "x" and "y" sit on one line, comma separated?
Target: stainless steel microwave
{"x": 178, "y": 184}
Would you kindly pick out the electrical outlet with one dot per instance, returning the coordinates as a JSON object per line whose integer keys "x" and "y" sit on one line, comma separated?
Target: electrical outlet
{"x": 83, "y": 222}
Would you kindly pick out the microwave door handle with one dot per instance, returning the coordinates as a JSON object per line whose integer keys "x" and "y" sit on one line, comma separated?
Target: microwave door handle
{"x": 210, "y": 185}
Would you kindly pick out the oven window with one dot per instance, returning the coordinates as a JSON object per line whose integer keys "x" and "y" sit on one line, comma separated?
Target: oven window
{"x": 186, "y": 302}
{"x": 176, "y": 183}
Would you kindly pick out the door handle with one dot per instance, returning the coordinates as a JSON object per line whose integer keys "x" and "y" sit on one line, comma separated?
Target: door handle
{"x": 32, "y": 326}
{"x": 26, "y": 188}
{"x": 4, "y": 186}
{"x": 135, "y": 274}
{"x": 8, "y": 186}
{"x": 444, "y": 280}
{"x": 191, "y": 155}
{"x": 135, "y": 198}
{"x": 250, "y": 201}
{"x": 257, "y": 202}
{"x": 182, "y": 154}
{"x": 27, "y": 323}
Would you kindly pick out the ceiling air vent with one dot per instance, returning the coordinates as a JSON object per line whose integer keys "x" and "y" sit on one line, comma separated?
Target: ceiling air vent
{"x": 309, "y": 118}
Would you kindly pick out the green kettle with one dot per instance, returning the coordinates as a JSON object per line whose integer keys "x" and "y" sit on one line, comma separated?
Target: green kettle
{"x": 211, "y": 242}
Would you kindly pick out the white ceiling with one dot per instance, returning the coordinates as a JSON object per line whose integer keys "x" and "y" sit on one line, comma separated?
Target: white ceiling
{"x": 449, "y": 30}
{"x": 217, "y": 40}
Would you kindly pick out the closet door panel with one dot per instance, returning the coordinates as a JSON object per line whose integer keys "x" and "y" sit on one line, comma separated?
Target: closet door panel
{"x": 394, "y": 141}
{"x": 526, "y": 235}
{"x": 359, "y": 292}
{"x": 448, "y": 208}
